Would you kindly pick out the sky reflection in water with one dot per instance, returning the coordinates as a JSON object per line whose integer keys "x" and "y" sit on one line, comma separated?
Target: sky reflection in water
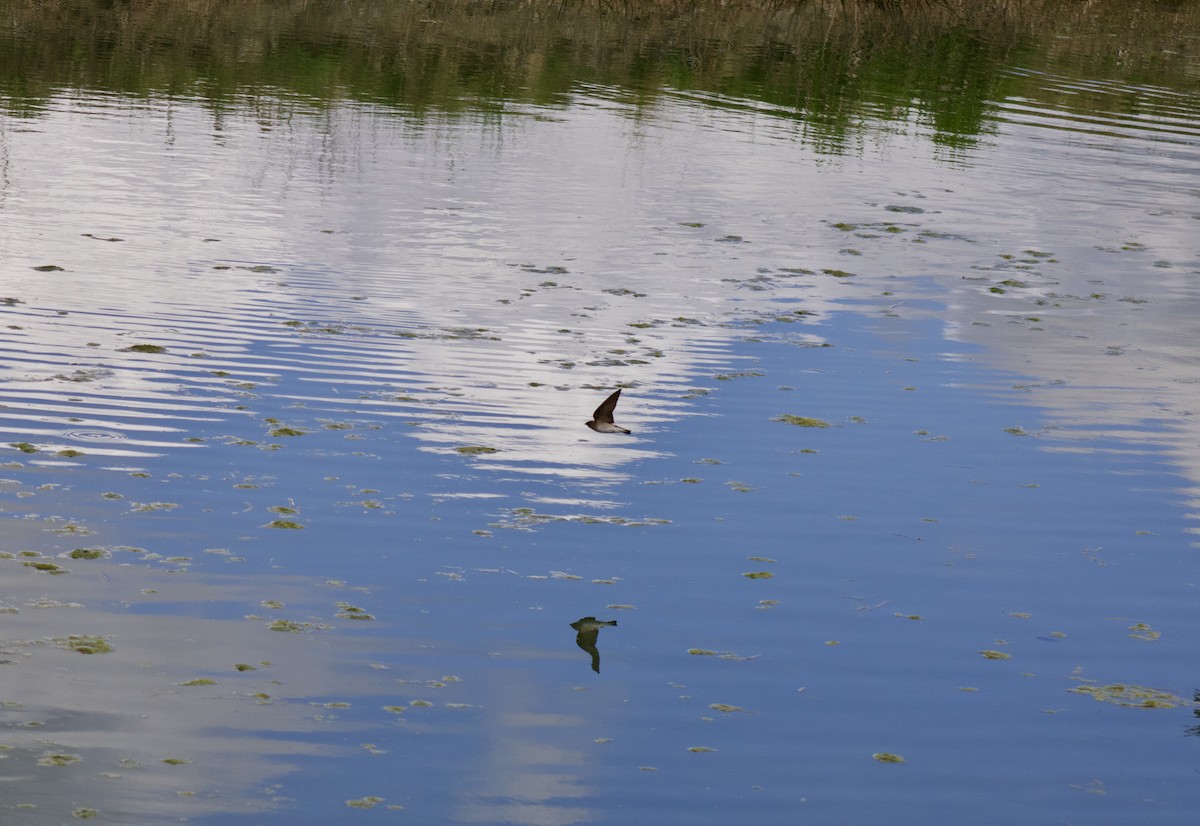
{"x": 351, "y": 307}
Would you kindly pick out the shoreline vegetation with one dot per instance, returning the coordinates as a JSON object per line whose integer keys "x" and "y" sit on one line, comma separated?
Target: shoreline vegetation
{"x": 828, "y": 62}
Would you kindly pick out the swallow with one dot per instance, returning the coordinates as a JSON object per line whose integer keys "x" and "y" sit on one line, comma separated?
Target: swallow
{"x": 602, "y": 419}
{"x": 587, "y": 632}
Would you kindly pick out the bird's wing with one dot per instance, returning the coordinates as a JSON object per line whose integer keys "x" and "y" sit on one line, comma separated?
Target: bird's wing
{"x": 604, "y": 413}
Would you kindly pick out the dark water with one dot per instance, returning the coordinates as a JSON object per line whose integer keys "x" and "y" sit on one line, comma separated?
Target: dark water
{"x": 305, "y": 306}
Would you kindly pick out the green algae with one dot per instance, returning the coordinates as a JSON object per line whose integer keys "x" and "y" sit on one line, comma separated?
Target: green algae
{"x": 84, "y": 644}
{"x": 801, "y": 421}
{"x": 289, "y": 626}
{"x": 45, "y": 567}
{"x": 284, "y": 524}
{"x": 84, "y": 813}
{"x": 352, "y": 612}
{"x": 1142, "y": 631}
{"x": 141, "y": 507}
{"x": 475, "y": 450}
{"x": 24, "y": 447}
{"x": 369, "y": 802}
{"x": 758, "y": 575}
{"x": 526, "y": 519}
{"x": 288, "y": 431}
{"x": 88, "y": 553}
{"x": 144, "y": 348}
{"x": 175, "y": 761}
{"x": 198, "y": 681}
{"x": 69, "y": 453}
{"x": 55, "y": 758}
{"x": 1130, "y": 696}
{"x": 992, "y": 654}
{"x": 887, "y": 757}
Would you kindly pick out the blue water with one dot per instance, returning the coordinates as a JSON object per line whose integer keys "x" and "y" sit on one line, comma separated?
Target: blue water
{"x": 312, "y": 385}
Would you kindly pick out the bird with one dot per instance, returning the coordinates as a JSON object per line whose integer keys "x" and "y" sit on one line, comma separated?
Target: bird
{"x": 602, "y": 419}
{"x": 587, "y": 632}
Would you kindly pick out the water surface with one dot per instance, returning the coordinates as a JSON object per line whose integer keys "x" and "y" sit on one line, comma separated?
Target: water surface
{"x": 301, "y": 326}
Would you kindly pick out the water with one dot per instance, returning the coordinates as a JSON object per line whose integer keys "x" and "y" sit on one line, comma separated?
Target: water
{"x": 299, "y": 338}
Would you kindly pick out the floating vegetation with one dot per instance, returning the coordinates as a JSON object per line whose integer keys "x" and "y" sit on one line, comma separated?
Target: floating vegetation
{"x": 527, "y": 519}
{"x": 69, "y": 453}
{"x": 83, "y": 644}
{"x": 1142, "y": 631}
{"x": 56, "y": 758}
{"x": 45, "y": 567}
{"x": 24, "y": 447}
{"x": 369, "y": 802}
{"x": 992, "y": 654}
{"x": 741, "y": 374}
{"x": 73, "y": 529}
{"x": 88, "y": 553}
{"x": 176, "y": 761}
{"x": 198, "y": 681}
{"x": 289, "y": 626}
{"x": 83, "y": 812}
{"x": 288, "y": 431}
{"x": 724, "y": 655}
{"x": 1132, "y": 696}
{"x": 740, "y": 487}
{"x": 49, "y": 268}
{"x": 887, "y": 757}
{"x": 353, "y": 612}
{"x": 244, "y": 667}
{"x": 144, "y": 348}
{"x": 284, "y": 524}
{"x": 801, "y": 421}
{"x": 758, "y": 575}
{"x": 725, "y": 708}
{"x": 700, "y": 749}
{"x": 475, "y": 450}
{"x": 153, "y": 506}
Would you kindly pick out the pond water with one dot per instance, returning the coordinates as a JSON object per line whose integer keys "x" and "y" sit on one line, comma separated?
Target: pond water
{"x": 305, "y": 306}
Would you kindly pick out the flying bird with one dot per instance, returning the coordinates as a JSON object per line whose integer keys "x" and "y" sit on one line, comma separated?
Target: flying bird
{"x": 587, "y": 632}
{"x": 602, "y": 419}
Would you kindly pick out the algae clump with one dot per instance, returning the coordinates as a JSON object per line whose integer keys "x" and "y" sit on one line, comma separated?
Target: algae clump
{"x": 801, "y": 421}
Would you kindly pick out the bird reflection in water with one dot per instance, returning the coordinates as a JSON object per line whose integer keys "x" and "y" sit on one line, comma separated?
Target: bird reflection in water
{"x": 587, "y": 630}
